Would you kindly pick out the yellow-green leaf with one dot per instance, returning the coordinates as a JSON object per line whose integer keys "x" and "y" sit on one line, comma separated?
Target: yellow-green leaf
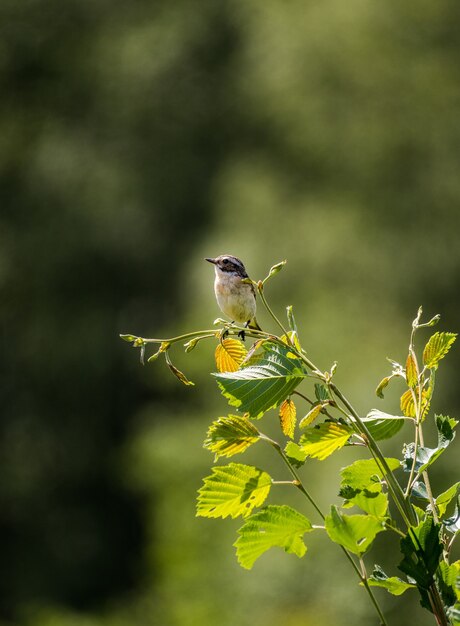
{"x": 273, "y": 526}
{"x": 230, "y": 435}
{"x": 381, "y": 386}
{"x": 321, "y": 441}
{"x": 230, "y": 353}
{"x": 288, "y": 418}
{"x": 233, "y": 490}
{"x": 437, "y": 347}
{"x": 310, "y": 416}
{"x": 408, "y": 405}
{"x": 411, "y": 371}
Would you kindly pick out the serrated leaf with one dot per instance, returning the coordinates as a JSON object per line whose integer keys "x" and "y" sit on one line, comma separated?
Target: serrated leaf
{"x": 427, "y": 456}
{"x": 393, "y": 584}
{"x": 354, "y": 532}
{"x": 321, "y": 441}
{"x": 366, "y": 474}
{"x": 383, "y": 425}
{"x": 311, "y": 416}
{"x": 273, "y": 526}
{"x": 268, "y": 380}
{"x": 446, "y": 578}
{"x": 288, "y": 417}
{"x": 422, "y": 549}
{"x": 381, "y": 386}
{"x": 408, "y": 405}
{"x": 372, "y": 502}
{"x": 291, "y": 339}
{"x": 229, "y": 355}
{"x": 295, "y": 454}
{"x": 411, "y": 371}
{"x": 230, "y": 435}
{"x": 446, "y": 497}
{"x": 322, "y": 392}
{"x": 233, "y": 490}
{"x": 437, "y": 347}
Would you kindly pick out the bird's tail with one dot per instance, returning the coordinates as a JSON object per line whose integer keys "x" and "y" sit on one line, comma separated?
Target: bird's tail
{"x": 253, "y": 324}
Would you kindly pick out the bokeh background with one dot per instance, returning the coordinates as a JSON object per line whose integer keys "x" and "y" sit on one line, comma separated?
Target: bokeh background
{"x": 135, "y": 139}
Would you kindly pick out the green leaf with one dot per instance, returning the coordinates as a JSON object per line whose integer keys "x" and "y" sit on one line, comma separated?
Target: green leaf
{"x": 383, "y": 425}
{"x": 366, "y": 474}
{"x": 273, "y": 526}
{"x": 230, "y": 435}
{"x": 446, "y": 578}
{"x": 453, "y": 613}
{"x": 422, "y": 550}
{"x": 321, "y": 441}
{"x": 233, "y": 490}
{"x": 295, "y": 454}
{"x": 381, "y": 386}
{"x": 437, "y": 347}
{"x": 268, "y": 380}
{"x": 322, "y": 393}
{"x": 411, "y": 371}
{"x": 452, "y": 524}
{"x": 372, "y": 502}
{"x": 427, "y": 456}
{"x": 445, "y": 498}
{"x": 354, "y": 532}
{"x": 310, "y": 416}
{"x": 392, "y": 584}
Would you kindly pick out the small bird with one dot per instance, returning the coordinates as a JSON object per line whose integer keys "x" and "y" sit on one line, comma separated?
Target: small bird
{"x": 235, "y": 298}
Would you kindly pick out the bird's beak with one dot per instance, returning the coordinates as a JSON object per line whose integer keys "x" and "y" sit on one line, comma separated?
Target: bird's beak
{"x": 211, "y": 260}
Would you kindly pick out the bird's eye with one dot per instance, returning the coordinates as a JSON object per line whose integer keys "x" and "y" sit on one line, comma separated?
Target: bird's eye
{"x": 225, "y": 261}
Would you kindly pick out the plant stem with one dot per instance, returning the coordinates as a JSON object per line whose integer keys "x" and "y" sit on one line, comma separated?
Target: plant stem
{"x": 267, "y": 306}
{"x": 298, "y": 483}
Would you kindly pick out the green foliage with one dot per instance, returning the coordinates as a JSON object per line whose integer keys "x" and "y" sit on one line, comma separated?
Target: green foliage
{"x": 275, "y": 525}
{"x": 264, "y": 379}
{"x": 266, "y": 382}
{"x": 233, "y": 490}
{"x": 382, "y": 425}
{"x": 354, "y": 532}
{"x": 424, "y": 457}
{"x": 392, "y": 584}
{"x": 230, "y": 435}
{"x": 366, "y": 474}
{"x": 437, "y": 347}
{"x": 321, "y": 441}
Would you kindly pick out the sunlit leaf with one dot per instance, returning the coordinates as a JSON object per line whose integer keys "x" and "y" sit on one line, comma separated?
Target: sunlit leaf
{"x": 354, "y": 532}
{"x": 229, "y": 355}
{"x": 366, "y": 474}
{"x": 268, "y": 380}
{"x": 372, "y": 502}
{"x": 321, "y": 441}
{"x": 437, "y": 347}
{"x": 408, "y": 405}
{"x": 295, "y": 454}
{"x": 381, "y": 386}
{"x": 445, "y": 498}
{"x": 393, "y": 584}
{"x": 383, "y": 425}
{"x": 273, "y": 526}
{"x": 411, "y": 371}
{"x": 311, "y": 416}
{"x": 427, "y": 456}
{"x": 288, "y": 417}
{"x": 230, "y": 435}
{"x": 233, "y": 490}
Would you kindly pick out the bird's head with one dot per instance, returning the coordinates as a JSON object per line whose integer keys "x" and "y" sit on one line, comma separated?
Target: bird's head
{"x": 228, "y": 264}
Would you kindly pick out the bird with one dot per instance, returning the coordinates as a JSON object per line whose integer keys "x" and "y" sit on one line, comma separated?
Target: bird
{"x": 236, "y": 299}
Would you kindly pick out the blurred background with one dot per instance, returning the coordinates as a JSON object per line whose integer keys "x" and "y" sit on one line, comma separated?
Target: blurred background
{"x": 137, "y": 138}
